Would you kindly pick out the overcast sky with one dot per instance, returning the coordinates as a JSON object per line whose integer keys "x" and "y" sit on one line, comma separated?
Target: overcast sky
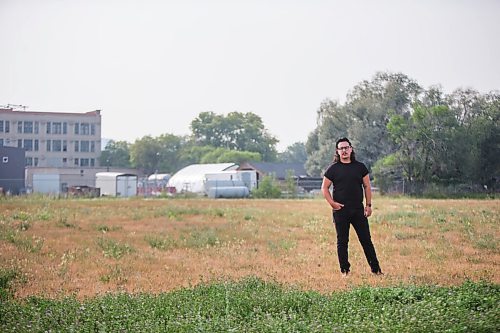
{"x": 153, "y": 66}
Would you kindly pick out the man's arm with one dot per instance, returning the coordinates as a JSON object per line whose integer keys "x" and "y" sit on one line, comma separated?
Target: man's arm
{"x": 368, "y": 195}
{"x": 325, "y": 189}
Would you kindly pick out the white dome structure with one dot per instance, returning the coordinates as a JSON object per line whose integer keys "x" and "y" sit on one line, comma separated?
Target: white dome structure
{"x": 191, "y": 178}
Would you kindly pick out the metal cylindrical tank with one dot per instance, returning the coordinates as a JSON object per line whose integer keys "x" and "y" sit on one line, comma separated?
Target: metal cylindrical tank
{"x": 229, "y": 192}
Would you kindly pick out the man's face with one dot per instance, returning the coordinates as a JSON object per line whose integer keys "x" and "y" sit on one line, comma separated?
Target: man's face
{"x": 344, "y": 150}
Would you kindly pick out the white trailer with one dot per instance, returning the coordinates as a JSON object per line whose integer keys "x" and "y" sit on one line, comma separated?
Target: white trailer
{"x": 116, "y": 184}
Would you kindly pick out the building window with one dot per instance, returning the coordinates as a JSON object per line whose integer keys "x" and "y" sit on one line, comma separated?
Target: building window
{"x": 92, "y": 146}
{"x": 77, "y": 146}
{"x": 1, "y": 142}
{"x": 56, "y": 145}
{"x": 65, "y": 128}
{"x": 36, "y": 127}
{"x": 92, "y": 162}
{"x": 85, "y": 128}
{"x": 48, "y": 145}
{"x": 48, "y": 127}
{"x": 65, "y": 160}
{"x": 76, "y": 162}
{"x": 29, "y": 161}
{"x": 64, "y": 145}
{"x": 28, "y": 145}
{"x": 56, "y": 128}
{"x": 19, "y": 143}
{"x": 92, "y": 129}
{"x": 77, "y": 128}
{"x": 84, "y": 146}
{"x": 36, "y": 144}
{"x": 19, "y": 127}
{"x": 84, "y": 162}
{"x": 4, "y": 126}
{"x": 28, "y": 127}
{"x": 35, "y": 161}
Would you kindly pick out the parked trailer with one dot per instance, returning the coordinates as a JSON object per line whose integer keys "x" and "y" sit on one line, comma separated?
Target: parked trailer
{"x": 116, "y": 184}
{"x": 47, "y": 183}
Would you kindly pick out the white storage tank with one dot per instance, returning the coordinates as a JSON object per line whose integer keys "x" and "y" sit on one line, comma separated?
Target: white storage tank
{"x": 228, "y": 192}
{"x": 246, "y": 178}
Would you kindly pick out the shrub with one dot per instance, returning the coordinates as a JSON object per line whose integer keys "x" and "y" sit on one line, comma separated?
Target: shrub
{"x": 268, "y": 188}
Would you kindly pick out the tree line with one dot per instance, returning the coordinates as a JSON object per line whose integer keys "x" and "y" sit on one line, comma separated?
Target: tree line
{"x": 214, "y": 138}
{"x": 423, "y": 138}
{"x": 426, "y": 139}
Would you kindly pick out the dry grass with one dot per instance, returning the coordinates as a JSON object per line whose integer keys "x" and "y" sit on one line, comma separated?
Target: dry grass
{"x": 89, "y": 247}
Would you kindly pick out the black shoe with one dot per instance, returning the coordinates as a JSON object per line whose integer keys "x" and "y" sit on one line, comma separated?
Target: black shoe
{"x": 377, "y": 272}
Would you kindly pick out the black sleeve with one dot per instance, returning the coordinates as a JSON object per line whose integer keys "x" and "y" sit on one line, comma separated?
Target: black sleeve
{"x": 329, "y": 172}
{"x": 364, "y": 170}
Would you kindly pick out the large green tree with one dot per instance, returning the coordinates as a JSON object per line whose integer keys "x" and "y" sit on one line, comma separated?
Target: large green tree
{"x": 236, "y": 131}
{"x": 223, "y": 155}
{"x": 479, "y": 119}
{"x": 332, "y": 123}
{"x": 371, "y": 104}
{"x": 116, "y": 154}
{"x": 295, "y": 153}
{"x": 158, "y": 154}
{"x": 363, "y": 119}
{"x": 455, "y": 143}
{"x": 426, "y": 148}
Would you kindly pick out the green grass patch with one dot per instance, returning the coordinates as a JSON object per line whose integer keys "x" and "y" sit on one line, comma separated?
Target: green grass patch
{"x": 114, "y": 249}
{"x": 202, "y": 238}
{"x": 195, "y": 239}
{"x": 44, "y": 214}
{"x": 62, "y": 221}
{"x": 19, "y": 240}
{"x": 401, "y": 235}
{"x": 163, "y": 243}
{"x": 116, "y": 274}
{"x": 283, "y": 245}
{"x": 7, "y": 276}
{"x": 486, "y": 242}
{"x": 253, "y": 305}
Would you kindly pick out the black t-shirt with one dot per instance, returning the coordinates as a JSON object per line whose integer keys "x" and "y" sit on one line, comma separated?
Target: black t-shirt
{"x": 347, "y": 180}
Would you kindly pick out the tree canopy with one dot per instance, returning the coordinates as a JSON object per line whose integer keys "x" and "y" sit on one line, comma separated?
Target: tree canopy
{"x": 236, "y": 131}
{"x": 117, "y": 154}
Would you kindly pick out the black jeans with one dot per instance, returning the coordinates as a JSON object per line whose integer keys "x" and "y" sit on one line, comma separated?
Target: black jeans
{"x": 343, "y": 219}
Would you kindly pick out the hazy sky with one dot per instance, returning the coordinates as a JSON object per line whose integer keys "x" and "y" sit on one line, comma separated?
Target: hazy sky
{"x": 153, "y": 66}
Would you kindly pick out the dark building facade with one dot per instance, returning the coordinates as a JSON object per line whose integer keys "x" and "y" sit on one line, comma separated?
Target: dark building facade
{"x": 12, "y": 161}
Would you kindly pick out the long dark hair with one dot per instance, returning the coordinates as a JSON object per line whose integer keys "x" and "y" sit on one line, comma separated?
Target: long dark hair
{"x": 336, "y": 158}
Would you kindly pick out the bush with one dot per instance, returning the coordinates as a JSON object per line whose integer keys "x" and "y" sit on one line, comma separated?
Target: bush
{"x": 268, "y": 188}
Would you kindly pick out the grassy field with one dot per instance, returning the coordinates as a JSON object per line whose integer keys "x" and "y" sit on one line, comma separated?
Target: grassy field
{"x": 276, "y": 257}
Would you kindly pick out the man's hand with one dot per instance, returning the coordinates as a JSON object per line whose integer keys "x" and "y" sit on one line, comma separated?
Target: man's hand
{"x": 337, "y": 205}
{"x": 368, "y": 211}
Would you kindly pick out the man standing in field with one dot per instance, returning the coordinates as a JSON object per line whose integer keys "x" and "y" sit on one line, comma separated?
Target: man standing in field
{"x": 349, "y": 177}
